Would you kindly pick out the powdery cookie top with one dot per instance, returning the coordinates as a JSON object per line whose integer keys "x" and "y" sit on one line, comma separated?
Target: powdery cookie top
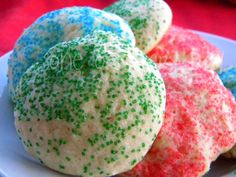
{"x": 92, "y": 108}
{"x": 228, "y": 77}
{"x": 180, "y": 44}
{"x": 149, "y": 20}
{"x": 199, "y": 124}
{"x": 58, "y": 26}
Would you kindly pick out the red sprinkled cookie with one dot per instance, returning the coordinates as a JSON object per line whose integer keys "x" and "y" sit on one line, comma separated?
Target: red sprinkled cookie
{"x": 199, "y": 124}
{"x": 180, "y": 44}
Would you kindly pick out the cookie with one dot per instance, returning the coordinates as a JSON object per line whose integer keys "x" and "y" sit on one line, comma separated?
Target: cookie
{"x": 199, "y": 124}
{"x": 228, "y": 77}
{"x": 92, "y": 107}
{"x": 183, "y": 45}
{"x": 58, "y": 26}
{"x": 149, "y": 20}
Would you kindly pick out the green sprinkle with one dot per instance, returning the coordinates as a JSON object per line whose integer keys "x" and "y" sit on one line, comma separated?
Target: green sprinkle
{"x": 68, "y": 158}
{"x": 61, "y": 166}
{"x": 133, "y": 162}
{"x": 83, "y": 152}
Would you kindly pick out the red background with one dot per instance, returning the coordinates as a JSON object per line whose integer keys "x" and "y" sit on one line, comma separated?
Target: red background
{"x": 213, "y": 16}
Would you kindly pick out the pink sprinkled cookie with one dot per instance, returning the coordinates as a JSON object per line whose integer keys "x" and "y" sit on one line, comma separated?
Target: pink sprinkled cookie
{"x": 199, "y": 124}
{"x": 180, "y": 44}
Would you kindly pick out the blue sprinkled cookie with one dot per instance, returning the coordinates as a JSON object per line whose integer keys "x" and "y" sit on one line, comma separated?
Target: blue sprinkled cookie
{"x": 228, "y": 77}
{"x": 92, "y": 107}
{"x": 58, "y": 26}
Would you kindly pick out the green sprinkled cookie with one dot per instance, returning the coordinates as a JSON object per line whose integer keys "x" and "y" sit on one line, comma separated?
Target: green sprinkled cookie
{"x": 92, "y": 107}
{"x": 149, "y": 20}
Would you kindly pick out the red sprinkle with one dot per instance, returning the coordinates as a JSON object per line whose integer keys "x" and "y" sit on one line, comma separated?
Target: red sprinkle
{"x": 181, "y": 44}
{"x": 199, "y": 124}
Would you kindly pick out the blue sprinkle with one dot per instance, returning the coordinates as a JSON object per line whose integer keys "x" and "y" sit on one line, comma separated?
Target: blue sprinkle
{"x": 49, "y": 30}
{"x": 228, "y": 77}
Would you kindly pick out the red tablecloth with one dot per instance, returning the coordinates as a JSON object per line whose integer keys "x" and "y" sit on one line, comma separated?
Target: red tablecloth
{"x": 214, "y": 16}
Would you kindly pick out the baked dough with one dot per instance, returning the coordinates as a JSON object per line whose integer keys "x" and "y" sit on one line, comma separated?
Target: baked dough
{"x": 92, "y": 107}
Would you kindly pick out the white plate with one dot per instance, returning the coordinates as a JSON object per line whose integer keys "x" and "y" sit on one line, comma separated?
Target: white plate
{"x": 15, "y": 162}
